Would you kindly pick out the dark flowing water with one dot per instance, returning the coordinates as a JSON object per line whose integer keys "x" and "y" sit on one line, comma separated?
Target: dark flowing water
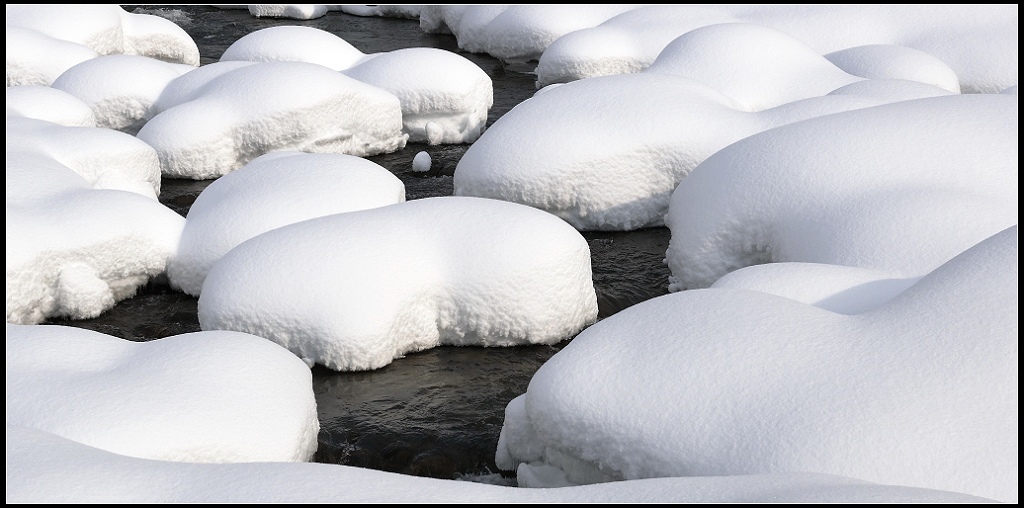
{"x": 438, "y": 412}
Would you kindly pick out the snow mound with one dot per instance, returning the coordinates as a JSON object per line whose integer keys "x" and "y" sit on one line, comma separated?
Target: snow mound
{"x": 920, "y": 392}
{"x": 196, "y": 397}
{"x": 251, "y": 109}
{"x": 354, "y": 291}
{"x": 274, "y": 190}
{"x": 901, "y": 188}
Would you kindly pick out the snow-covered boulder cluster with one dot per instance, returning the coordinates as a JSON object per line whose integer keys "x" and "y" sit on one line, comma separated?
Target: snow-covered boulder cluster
{"x": 839, "y": 183}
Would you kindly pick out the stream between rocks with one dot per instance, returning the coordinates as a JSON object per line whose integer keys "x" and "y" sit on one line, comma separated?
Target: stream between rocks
{"x": 435, "y": 413}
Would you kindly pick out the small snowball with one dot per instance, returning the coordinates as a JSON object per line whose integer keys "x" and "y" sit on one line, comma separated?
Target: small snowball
{"x": 421, "y": 163}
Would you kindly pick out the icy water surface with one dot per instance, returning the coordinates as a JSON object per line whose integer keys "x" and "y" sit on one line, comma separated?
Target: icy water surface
{"x": 434, "y": 413}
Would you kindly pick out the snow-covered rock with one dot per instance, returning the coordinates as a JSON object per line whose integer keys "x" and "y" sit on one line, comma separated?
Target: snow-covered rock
{"x": 252, "y": 109}
{"x": 196, "y": 397}
{"x": 274, "y": 190}
{"x": 354, "y": 291}
{"x": 920, "y": 392}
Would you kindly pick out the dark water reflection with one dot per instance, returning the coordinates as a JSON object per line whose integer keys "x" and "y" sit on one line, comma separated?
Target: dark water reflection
{"x": 434, "y": 413}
